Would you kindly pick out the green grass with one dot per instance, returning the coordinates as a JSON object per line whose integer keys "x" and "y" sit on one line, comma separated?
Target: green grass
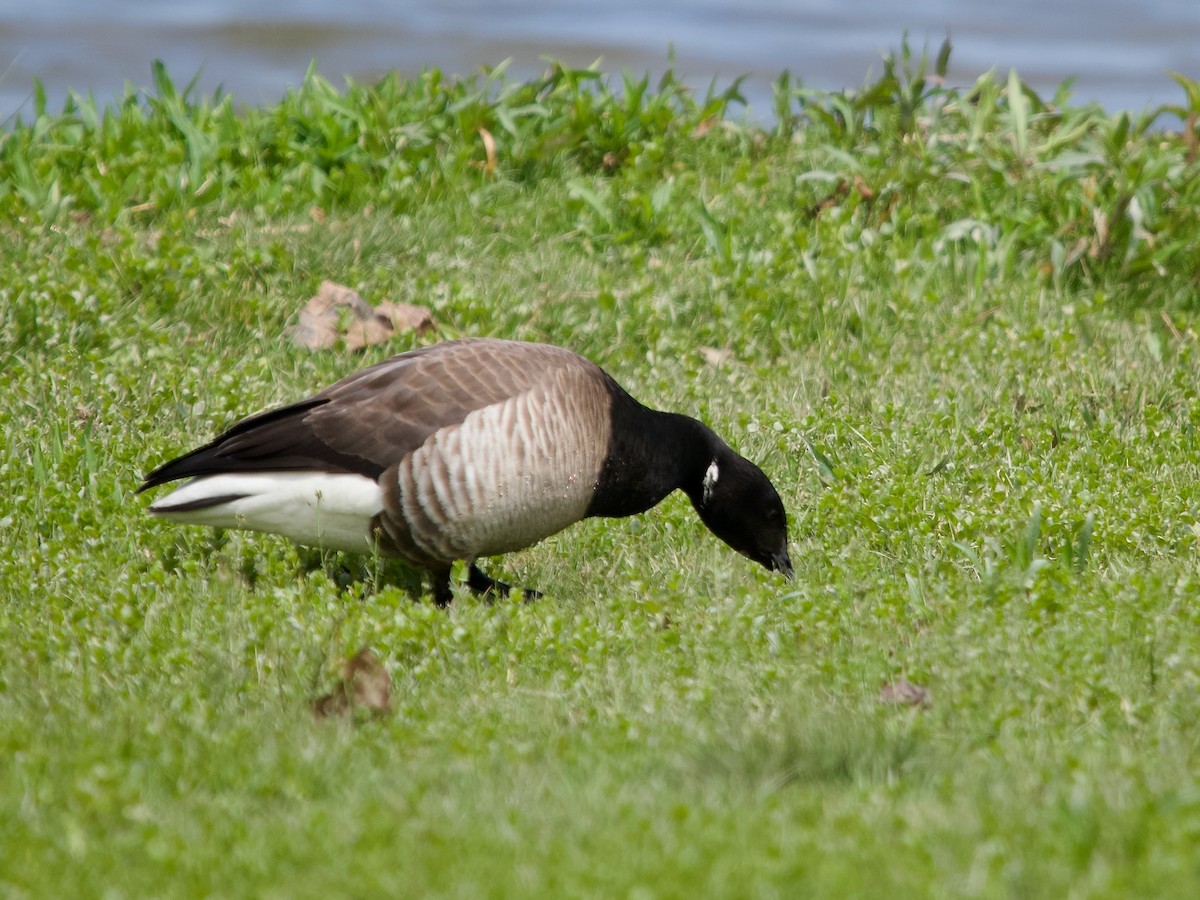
{"x": 963, "y": 327}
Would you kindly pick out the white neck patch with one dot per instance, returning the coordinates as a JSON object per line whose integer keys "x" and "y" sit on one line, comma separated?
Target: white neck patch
{"x": 710, "y": 481}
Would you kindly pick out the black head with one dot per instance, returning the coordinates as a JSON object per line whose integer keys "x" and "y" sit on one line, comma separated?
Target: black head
{"x": 739, "y": 505}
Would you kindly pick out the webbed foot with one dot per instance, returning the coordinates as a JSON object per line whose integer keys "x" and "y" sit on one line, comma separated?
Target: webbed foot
{"x": 480, "y": 583}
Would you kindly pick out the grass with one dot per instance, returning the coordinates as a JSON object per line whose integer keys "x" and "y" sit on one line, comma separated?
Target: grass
{"x": 962, "y": 326}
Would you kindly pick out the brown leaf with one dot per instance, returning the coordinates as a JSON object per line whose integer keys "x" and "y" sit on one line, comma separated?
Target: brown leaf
{"x": 830, "y": 200}
{"x": 405, "y": 316}
{"x": 329, "y": 705}
{"x": 320, "y": 319}
{"x": 905, "y": 693}
{"x": 371, "y": 685}
{"x": 365, "y": 684}
{"x": 489, "y": 151}
{"x": 318, "y": 328}
{"x": 374, "y": 329}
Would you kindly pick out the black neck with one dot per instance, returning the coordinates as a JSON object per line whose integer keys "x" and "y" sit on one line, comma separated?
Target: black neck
{"x": 650, "y": 454}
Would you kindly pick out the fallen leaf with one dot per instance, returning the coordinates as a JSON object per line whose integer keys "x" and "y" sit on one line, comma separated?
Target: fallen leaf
{"x": 318, "y": 328}
{"x": 365, "y": 684}
{"x": 489, "y": 151}
{"x": 905, "y": 693}
{"x": 330, "y": 705}
{"x": 715, "y": 356}
{"x": 369, "y": 680}
{"x": 406, "y": 316}
{"x": 321, "y": 317}
{"x": 374, "y": 329}
{"x": 864, "y": 189}
{"x": 830, "y": 200}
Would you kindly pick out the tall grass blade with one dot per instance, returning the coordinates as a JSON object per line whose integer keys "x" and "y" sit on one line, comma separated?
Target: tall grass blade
{"x": 1018, "y": 107}
{"x": 1083, "y": 544}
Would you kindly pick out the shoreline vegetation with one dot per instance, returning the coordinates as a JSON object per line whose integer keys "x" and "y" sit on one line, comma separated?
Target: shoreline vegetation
{"x": 957, "y": 326}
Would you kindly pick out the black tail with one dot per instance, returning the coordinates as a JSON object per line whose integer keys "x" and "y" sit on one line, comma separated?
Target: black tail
{"x": 275, "y": 440}
{"x": 193, "y": 505}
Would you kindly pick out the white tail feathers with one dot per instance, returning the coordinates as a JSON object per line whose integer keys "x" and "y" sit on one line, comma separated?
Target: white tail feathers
{"x": 310, "y": 508}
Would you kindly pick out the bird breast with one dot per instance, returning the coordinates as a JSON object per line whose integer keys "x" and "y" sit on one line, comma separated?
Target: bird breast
{"x": 507, "y": 476}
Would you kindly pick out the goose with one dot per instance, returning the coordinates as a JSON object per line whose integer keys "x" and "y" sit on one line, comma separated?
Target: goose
{"x": 466, "y": 449}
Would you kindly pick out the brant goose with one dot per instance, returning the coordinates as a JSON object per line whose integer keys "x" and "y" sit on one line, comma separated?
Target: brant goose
{"x": 465, "y": 449}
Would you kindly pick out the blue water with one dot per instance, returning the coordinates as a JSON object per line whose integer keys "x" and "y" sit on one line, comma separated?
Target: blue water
{"x": 1119, "y": 53}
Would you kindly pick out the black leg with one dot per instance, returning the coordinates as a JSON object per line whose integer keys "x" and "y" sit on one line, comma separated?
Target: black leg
{"x": 442, "y": 595}
{"x": 482, "y": 584}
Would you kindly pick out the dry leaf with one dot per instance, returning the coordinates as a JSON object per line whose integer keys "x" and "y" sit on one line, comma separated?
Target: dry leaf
{"x": 330, "y": 705}
{"x": 319, "y": 320}
{"x": 406, "y": 316}
{"x": 489, "y": 167}
{"x": 371, "y": 687}
{"x": 832, "y": 199}
{"x": 905, "y": 693}
{"x": 864, "y": 189}
{"x": 1166, "y": 320}
{"x": 374, "y": 329}
{"x": 714, "y": 356}
{"x": 365, "y": 684}
{"x": 318, "y": 328}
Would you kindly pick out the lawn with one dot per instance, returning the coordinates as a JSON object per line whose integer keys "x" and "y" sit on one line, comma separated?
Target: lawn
{"x": 957, "y": 326}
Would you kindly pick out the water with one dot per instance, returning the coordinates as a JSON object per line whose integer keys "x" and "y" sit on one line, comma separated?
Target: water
{"x": 1118, "y": 52}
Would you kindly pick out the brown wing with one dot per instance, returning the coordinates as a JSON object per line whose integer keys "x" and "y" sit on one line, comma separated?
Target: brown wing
{"x": 372, "y": 419}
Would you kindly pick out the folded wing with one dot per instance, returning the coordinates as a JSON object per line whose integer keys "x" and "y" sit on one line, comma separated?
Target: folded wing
{"x": 374, "y": 418}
